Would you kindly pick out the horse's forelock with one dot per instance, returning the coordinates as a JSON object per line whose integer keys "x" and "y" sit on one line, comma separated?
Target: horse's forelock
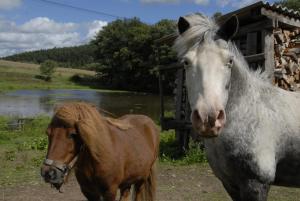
{"x": 201, "y": 29}
{"x": 70, "y": 113}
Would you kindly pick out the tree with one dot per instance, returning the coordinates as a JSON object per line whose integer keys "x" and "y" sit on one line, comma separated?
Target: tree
{"x": 292, "y": 4}
{"x": 217, "y": 15}
{"x": 47, "y": 69}
{"x": 127, "y": 52}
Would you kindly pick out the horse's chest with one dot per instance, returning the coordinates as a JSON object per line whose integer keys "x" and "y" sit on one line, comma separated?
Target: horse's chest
{"x": 231, "y": 159}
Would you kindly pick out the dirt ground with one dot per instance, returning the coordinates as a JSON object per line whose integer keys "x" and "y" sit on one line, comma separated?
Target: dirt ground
{"x": 175, "y": 183}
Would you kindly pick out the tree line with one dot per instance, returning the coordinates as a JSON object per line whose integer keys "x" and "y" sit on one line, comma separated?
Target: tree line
{"x": 69, "y": 57}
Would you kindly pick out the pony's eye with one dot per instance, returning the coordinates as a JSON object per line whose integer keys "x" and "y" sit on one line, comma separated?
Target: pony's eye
{"x": 185, "y": 63}
{"x": 230, "y": 63}
{"x": 72, "y": 135}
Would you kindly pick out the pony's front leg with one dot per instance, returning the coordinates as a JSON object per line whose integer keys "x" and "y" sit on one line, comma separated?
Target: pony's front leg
{"x": 110, "y": 194}
{"x": 253, "y": 190}
{"x": 125, "y": 193}
{"x": 90, "y": 196}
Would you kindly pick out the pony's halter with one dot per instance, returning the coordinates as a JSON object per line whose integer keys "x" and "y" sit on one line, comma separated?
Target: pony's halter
{"x": 64, "y": 168}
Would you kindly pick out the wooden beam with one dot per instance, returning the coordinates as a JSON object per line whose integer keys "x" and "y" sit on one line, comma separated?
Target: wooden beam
{"x": 280, "y": 17}
{"x": 255, "y": 57}
{"x": 173, "y": 66}
{"x": 257, "y": 26}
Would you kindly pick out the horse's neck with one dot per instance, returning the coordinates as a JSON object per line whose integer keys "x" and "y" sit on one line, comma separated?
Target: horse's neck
{"x": 102, "y": 143}
{"x": 244, "y": 86}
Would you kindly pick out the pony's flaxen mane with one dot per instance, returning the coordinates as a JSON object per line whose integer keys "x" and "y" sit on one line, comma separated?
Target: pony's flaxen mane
{"x": 70, "y": 113}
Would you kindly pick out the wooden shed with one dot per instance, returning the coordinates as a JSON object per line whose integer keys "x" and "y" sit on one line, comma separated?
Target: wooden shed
{"x": 268, "y": 37}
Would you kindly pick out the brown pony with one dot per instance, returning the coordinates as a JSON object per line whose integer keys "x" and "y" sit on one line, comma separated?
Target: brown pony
{"x": 107, "y": 154}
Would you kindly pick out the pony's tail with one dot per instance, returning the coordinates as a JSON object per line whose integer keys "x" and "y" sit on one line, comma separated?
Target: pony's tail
{"x": 148, "y": 189}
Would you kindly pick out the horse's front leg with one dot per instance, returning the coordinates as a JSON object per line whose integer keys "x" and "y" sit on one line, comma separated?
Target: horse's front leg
{"x": 125, "y": 193}
{"x": 253, "y": 190}
{"x": 110, "y": 194}
{"x": 91, "y": 196}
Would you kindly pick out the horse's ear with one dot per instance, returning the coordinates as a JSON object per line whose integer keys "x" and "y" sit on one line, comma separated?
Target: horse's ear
{"x": 183, "y": 25}
{"x": 229, "y": 29}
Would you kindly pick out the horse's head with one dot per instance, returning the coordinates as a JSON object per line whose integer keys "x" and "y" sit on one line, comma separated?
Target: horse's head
{"x": 63, "y": 148}
{"x": 204, "y": 50}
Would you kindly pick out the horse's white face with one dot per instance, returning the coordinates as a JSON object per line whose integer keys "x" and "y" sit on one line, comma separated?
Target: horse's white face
{"x": 208, "y": 72}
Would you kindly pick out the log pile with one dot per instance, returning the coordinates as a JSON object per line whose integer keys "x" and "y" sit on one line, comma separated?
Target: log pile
{"x": 287, "y": 59}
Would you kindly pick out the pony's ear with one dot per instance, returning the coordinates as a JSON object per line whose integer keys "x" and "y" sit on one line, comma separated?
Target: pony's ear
{"x": 229, "y": 29}
{"x": 183, "y": 25}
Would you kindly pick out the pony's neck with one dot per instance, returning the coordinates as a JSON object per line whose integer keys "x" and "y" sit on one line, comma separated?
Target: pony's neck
{"x": 244, "y": 84}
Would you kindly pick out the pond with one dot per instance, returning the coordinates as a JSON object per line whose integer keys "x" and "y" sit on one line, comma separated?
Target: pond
{"x": 28, "y": 103}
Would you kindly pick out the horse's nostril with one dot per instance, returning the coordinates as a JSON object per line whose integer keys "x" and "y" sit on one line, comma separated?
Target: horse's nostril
{"x": 221, "y": 115}
{"x": 211, "y": 121}
{"x": 196, "y": 115}
{"x": 52, "y": 174}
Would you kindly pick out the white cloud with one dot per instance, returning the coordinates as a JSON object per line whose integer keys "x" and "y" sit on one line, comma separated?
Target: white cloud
{"x": 201, "y": 2}
{"x": 45, "y": 25}
{"x": 9, "y": 4}
{"x": 43, "y": 33}
{"x": 94, "y": 27}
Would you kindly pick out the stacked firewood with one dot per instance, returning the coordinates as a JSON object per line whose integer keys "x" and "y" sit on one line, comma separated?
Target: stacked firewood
{"x": 287, "y": 59}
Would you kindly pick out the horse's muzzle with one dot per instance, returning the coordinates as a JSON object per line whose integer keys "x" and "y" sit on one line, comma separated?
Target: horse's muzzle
{"x": 52, "y": 175}
{"x": 208, "y": 126}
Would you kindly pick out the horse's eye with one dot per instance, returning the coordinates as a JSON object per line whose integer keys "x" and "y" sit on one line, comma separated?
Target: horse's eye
{"x": 230, "y": 62}
{"x": 185, "y": 63}
{"x": 72, "y": 135}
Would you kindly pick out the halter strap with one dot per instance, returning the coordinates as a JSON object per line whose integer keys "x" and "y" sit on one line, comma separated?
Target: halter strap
{"x": 61, "y": 166}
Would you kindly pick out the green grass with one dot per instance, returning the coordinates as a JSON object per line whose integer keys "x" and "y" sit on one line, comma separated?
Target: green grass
{"x": 170, "y": 152}
{"x": 15, "y": 75}
{"x": 22, "y": 151}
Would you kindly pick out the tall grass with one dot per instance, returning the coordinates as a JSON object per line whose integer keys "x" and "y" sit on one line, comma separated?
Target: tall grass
{"x": 22, "y": 150}
{"x": 171, "y": 153}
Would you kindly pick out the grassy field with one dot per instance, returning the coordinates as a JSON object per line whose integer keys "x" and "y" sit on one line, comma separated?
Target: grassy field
{"x": 16, "y": 75}
{"x": 22, "y": 151}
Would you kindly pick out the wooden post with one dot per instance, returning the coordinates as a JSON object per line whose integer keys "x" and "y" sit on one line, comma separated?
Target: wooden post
{"x": 161, "y": 94}
{"x": 268, "y": 49}
{"x": 179, "y": 84}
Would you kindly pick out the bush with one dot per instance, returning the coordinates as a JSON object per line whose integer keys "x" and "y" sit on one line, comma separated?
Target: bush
{"x": 47, "y": 69}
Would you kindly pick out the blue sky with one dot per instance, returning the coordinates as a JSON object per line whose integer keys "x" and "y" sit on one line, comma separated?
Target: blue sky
{"x": 27, "y": 25}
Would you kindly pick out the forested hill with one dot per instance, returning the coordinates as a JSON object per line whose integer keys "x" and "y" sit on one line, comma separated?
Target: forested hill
{"x": 72, "y": 57}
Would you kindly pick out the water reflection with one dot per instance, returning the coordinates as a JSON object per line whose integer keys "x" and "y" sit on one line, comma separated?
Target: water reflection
{"x": 35, "y": 102}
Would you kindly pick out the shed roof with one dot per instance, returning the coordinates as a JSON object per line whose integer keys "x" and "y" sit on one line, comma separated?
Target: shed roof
{"x": 269, "y": 6}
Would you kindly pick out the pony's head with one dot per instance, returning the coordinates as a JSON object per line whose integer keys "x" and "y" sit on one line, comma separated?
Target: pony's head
{"x": 71, "y": 129}
{"x": 205, "y": 51}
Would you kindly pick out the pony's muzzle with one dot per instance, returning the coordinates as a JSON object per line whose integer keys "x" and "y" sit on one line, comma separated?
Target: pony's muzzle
{"x": 52, "y": 175}
{"x": 208, "y": 125}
